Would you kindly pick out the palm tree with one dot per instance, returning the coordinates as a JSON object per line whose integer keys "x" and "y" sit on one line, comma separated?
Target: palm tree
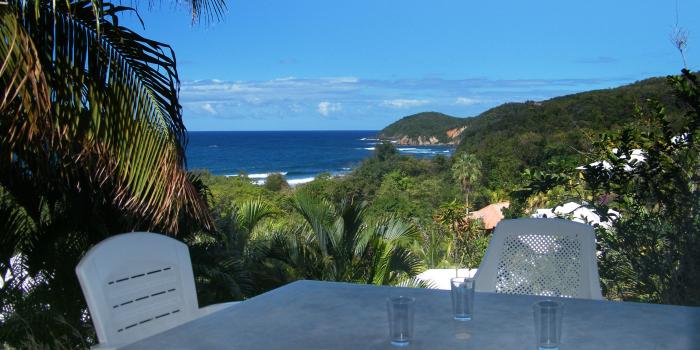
{"x": 222, "y": 261}
{"x": 467, "y": 171}
{"x": 339, "y": 243}
{"x": 91, "y": 144}
{"x": 449, "y": 215}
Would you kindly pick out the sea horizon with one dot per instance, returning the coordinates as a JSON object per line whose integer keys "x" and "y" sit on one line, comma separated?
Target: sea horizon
{"x": 299, "y": 155}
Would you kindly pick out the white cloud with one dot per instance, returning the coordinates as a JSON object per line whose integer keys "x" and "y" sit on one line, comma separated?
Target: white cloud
{"x": 466, "y": 101}
{"x": 344, "y": 80}
{"x": 295, "y": 97}
{"x": 326, "y": 108}
{"x": 209, "y": 108}
{"x": 404, "y": 103}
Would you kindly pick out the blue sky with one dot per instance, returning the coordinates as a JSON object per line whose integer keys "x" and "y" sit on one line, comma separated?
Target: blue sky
{"x": 362, "y": 64}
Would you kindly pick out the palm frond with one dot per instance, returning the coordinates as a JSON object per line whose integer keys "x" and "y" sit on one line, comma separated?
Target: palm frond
{"x": 24, "y": 86}
{"x": 18, "y": 229}
{"x": 394, "y": 229}
{"x": 115, "y": 111}
{"x": 414, "y": 282}
{"x": 251, "y": 213}
{"x": 207, "y": 10}
{"x": 319, "y": 216}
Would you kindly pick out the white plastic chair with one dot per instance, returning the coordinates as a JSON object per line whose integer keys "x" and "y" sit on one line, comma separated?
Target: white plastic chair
{"x": 548, "y": 257}
{"x": 138, "y": 284}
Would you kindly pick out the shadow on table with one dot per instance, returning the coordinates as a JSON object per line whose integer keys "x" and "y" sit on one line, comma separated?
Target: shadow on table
{"x": 460, "y": 330}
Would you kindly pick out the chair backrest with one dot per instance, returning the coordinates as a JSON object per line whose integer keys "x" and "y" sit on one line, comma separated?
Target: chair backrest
{"x": 548, "y": 257}
{"x": 136, "y": 285}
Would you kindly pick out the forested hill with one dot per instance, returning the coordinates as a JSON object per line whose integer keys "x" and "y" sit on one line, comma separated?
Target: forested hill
{"x": 425, "y": 128}
{"x": 513, "y": 136}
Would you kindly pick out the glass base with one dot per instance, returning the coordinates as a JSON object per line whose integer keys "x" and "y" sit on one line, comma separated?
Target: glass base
{"x": 463, "y": 318}
{"x": 548, "y": 348}
{"x": 399, "y": 343}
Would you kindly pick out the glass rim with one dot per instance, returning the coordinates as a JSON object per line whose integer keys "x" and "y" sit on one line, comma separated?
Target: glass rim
{"x": 465, "y": 279}
{"x": 401, "y": 299}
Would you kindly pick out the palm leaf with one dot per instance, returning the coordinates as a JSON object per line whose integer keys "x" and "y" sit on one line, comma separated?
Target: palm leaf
{"x": 13, "y": 219}
{"x": 115, "y": 113}
{"x": 23, "y": 84}
{"x": 319, "y": 216}
{"x": 251, "y": 213}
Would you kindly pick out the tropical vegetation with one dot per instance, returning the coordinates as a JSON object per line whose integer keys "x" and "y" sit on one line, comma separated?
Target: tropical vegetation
{"x": 92, "y": 144}
{"x": 651, "y": 251}
{"x": 542, "y": 135}
{"x": 92, "y": 140}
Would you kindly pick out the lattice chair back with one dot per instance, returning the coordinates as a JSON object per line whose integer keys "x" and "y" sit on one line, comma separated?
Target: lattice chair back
{"x": 548, "y": 257}
{"x": 136, "y": 285}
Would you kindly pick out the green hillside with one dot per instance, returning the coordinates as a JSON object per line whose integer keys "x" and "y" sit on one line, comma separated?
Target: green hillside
{"x": 424, "y": 125}
{"x": 514, "y": 136}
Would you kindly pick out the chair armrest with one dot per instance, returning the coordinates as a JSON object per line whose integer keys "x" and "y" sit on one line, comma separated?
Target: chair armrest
{"x": 214, "y": 308}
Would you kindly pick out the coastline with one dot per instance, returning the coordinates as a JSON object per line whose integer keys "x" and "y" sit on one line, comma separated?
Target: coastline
{"x": 259, "y": 179}
{"x": 300, "y": 156}
{"x": 409, "y": 141}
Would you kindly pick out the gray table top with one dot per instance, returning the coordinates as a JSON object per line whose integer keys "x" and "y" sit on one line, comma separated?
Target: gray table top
{"x": 327, "y": 315}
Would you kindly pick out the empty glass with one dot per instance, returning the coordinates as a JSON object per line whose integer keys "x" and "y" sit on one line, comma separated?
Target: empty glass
{"x": 462, "y": 298}
{"x": 401, "y": 310}
{"x": 548, "y": 315}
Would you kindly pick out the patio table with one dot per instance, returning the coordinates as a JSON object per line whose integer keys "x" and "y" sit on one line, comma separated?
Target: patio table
{"x": 329, "y": 315}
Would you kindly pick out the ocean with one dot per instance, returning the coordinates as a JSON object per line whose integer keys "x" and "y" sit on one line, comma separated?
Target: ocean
{"x": 299, "y": 155}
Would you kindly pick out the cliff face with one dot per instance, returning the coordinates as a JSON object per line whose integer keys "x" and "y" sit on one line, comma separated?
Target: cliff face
{"x": 455, "y": 133}
{"x": 419, "y": 141}
{"x": 424, "y": 129}
{"x": 451, "y": 137}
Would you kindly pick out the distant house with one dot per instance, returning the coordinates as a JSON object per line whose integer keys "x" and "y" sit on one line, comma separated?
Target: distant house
{"x": 576, "y": 212}
{"x": 490, "y": 214}
{"x": 636, "y": 156}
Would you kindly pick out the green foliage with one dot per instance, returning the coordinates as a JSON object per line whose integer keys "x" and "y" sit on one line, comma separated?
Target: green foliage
{"x": 425, "y": 125}
{"x": 652, "y": 251}
{"x": 365, "y": 181}
{"x": 95, "y": 151}
{"x": 240, "y": 189}
{"x": 323, "y": 186}
{"x": 276, "y": 182}
{"x": 516, "y": 136}
{"x": 466, "y": 169}
{"x": 93, "y": 106}
{"x": 219, "y": 259}
{"x": 468, "y": 241}
{"x": 356, "y": 250}
{"x": 336, "y": 242}
{"x": 91, "y": 144}
{"x": 369, "y": 226}
{"x": 385, "y": 151}
{"x": 434, "y": 246}
{"x": 412, "y": 197}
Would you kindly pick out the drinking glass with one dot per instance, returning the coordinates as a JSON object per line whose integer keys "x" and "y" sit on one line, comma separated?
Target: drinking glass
{"x": 401, "y": 310}
{"x": 548, "y": 315}
{"x": 462, "y": 298}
